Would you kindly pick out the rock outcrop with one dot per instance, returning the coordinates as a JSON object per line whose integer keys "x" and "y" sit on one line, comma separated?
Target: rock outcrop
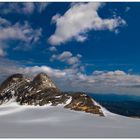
{"x": 9, "y": 87}
{"x": 82, "y": 102}
{"x": 42, "y": 91}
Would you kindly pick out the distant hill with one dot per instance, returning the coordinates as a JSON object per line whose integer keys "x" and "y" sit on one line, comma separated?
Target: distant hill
{"x": 120, "y": 104}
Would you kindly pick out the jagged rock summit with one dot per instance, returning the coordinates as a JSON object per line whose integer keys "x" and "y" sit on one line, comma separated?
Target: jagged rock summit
{"x": 9, "y": 87}
{"x": 16, "y": 78}
{"x": 42, "y": 91}
{"x": 43, "y": 81}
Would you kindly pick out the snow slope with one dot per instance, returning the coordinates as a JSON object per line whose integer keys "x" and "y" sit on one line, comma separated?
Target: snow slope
{"x": 30, "y": 121}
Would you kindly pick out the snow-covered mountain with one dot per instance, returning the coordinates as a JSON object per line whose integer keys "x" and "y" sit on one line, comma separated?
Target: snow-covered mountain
{"x": 37, "y": 108}
{"x": 42, "y": 91}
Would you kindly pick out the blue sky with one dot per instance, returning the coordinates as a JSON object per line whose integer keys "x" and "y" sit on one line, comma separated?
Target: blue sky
{"x": 94, "y": 44}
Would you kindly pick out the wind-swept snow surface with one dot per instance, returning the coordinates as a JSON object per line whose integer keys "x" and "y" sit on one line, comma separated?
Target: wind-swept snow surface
{"x": 30, "y": 121}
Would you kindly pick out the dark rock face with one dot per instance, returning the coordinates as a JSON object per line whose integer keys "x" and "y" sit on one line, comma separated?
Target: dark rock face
{"x": 11, "y": 80}
{"x": 42, "y": 91}
{"x": 47, "y": 96}
{"x": 10, "y": 86}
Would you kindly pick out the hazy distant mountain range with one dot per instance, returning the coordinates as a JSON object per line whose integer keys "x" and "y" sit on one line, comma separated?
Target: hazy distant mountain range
{"x": 120, "y": 104}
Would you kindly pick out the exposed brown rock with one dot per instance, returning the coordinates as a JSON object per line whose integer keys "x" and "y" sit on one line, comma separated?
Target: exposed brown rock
{"x": 42, "y": 81}
{"x": 83, "y": 102}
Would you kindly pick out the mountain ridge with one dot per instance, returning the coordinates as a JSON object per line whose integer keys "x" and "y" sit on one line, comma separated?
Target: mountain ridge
{"x": 41, "y": 91}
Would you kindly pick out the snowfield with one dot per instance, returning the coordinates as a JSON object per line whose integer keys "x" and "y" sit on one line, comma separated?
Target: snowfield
{"x": 56, "y": 122}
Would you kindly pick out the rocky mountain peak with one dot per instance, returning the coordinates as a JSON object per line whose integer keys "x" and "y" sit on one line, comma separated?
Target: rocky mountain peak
{"x": 15, "y": 78}
{"x": 9, "y": 87}
{"x": 43, "y": 80}
{"x": 42, "y": 91}
{"x": 41, "y": 76}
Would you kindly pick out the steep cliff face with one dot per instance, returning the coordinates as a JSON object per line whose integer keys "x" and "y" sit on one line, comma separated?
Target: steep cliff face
{"x": 42, "y": 91}
{"x": 9, "y": 87}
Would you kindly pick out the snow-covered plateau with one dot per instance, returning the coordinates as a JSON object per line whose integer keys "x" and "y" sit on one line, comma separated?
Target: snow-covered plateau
{"x": 56, "y": 122}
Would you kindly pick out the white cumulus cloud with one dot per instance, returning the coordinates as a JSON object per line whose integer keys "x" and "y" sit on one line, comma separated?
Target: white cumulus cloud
{"x": 2, "y": 52}
{"x": 22, "y": 7}
{"x": 23, "y": 33}
{"x": 78, "y": 20}
{"x": 67, "y": 57}
{"x": 19, "y": 31}
{"x": 70, "y": 79}
{"x": 52, "y": 49}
